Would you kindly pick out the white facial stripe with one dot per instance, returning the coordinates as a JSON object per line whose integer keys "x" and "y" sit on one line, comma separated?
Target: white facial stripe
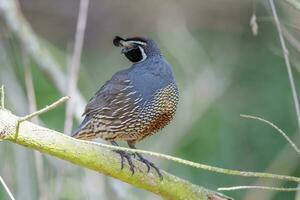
{"x": 137, "y": 42}
{"x": 143, "y": 54}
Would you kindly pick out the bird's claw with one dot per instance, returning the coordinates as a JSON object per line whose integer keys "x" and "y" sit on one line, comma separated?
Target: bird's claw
{"x": 149, "y": 165}
{"x": 126, "y": 156}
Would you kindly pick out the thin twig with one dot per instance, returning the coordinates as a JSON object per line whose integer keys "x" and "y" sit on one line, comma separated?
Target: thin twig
{"x": 258, "y": 187}
{"x": 6, "y": 189}
{"x": 275, "y": 127}
{"x": 199, "y": 165}
{"x": 287, "y": 61}
{"x": 75, "y": 63}
{"x": 43, "y": 110}
{"x": 2, "y": 96}
{"x": 285, "y": 161}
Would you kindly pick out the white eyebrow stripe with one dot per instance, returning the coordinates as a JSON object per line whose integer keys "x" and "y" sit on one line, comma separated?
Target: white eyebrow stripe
{"x": 143, "y": 54}
{"x": 137, "y": 42}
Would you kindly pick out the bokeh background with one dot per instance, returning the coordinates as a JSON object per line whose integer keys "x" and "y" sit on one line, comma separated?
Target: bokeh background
{"x": 222, "y": 70}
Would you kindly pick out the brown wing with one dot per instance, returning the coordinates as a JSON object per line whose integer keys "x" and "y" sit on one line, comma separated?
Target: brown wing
{"x": 107, "y": 93}
{"x": 110, "y": 108}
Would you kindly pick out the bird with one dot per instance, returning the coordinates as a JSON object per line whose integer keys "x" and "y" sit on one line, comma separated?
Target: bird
{"x": 135, "y": 103}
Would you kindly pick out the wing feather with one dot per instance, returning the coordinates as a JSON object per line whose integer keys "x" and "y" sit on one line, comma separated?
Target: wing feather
{"x": 106, "y": 95}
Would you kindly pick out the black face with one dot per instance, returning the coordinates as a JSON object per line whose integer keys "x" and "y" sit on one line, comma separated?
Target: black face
{"x": 134, "y": 55}
{"x": 134, "y": 51}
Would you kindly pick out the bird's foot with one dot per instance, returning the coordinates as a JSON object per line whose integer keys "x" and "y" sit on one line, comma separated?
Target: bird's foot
{"x": 126, "y": 156}
{"x": 149, "y": 165}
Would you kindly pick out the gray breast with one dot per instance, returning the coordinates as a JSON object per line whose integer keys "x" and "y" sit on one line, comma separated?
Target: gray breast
{"x": 151, "y": 75}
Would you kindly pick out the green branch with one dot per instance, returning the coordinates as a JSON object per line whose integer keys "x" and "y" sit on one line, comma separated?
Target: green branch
{"x": 97, "y": 158}
{"x": 84, "y": 154}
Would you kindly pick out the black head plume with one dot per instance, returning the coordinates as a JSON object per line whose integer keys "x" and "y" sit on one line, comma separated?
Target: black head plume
{"x": 117, "y": 40}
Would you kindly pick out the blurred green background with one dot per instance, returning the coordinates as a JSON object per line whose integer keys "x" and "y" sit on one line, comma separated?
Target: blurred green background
{"x": 222, "y": 71}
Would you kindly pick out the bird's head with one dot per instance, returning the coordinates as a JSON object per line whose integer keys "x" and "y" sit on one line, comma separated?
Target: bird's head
{"x": 137, "y": 49}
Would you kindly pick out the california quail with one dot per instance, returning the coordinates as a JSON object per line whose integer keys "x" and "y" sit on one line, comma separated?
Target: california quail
{"x": 136, "y": 102}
